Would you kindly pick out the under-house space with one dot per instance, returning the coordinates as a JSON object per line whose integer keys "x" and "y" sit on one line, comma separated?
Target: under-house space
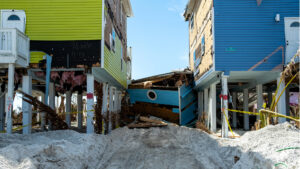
{"x": 130, "y": 84}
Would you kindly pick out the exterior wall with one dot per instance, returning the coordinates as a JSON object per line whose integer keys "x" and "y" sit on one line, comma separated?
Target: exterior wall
{"x": 202, "y": 28}
{"x": 59, "y": 20}
{"x": 113, "y": 59}
{"x": 246, "y": 33}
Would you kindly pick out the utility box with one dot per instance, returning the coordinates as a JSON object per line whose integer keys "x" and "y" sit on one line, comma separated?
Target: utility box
{"x": 14, "y": 44}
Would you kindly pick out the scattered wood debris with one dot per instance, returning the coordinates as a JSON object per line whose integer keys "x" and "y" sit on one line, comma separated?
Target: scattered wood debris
{"x": 145, "y": 122}
{"x": 56, "y": 121}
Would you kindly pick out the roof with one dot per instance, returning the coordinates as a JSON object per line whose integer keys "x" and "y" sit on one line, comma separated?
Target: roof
{"x": 128, "y": 8}
{"x": 189, "y": 9}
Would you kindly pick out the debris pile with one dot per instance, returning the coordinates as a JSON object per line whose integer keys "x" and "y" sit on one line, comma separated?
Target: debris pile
{"x": 54, "y": 118}
{"x": 145, "y": 122}
{"x": 164, "y": 96}
{"x": 169, "y": 147}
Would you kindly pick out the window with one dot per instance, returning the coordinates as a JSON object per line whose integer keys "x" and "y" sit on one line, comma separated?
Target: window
{"x": 194, "y": 55}
{"x": 122, "y": 60}
{"x": 151, "y": 95}
{"x": 13, "y": 18}
{"x": 192, "y": 21}
{"x": 295, "y": 24}
{"x": 203, "y": 46}
{"x": 112, "y": 40}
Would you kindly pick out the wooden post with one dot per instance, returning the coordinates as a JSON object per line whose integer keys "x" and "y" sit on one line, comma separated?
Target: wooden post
{"x": 234, "y": 106}
{"x": 104, "y": 106}
{"x": 10, "y": 97}
{"x": 79, "y": 109}
{"x": 111, "y": 107}
{"x": 51, "y": 100}
{"x": 43, "y": 114}
{"x": 90, "y": 104}
{"x": 200, "y": 104}
{"x": 246, "y": 108}
{"x": 68, "y": 108}
{"x": 282, "y": 101}
{"x": 260, "y": 100}
{"x": 206, "y": 105}
{"x": 225, "y": 106}
{"x": 26, "y": 107}
{"x": 212, "y": 107}
{"x": 2, "y": 111}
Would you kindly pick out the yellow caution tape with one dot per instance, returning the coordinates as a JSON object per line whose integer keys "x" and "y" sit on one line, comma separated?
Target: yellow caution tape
{"x": 245, "y": 112}
{"x": 228, "y": 123}
{"x": 274, "y": 114}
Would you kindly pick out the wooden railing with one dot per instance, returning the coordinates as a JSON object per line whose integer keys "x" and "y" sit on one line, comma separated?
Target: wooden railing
{"x": 14, "y": 47}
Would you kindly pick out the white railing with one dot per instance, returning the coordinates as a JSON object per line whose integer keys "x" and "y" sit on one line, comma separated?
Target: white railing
{"x": 14, "y": 47}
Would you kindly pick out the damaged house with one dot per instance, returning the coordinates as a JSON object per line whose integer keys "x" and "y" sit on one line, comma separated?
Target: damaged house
{"x": 87, "y": 41}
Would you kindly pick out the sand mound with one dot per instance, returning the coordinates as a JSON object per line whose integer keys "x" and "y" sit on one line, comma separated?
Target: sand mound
{"x": 170, "y": 147}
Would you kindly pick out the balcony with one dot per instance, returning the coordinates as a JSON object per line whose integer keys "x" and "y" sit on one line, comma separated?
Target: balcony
{"x": 14, "y": 48}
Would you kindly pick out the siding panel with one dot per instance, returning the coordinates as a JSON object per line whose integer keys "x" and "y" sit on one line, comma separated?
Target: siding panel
{"x": 246, "y": 33}
{"x": 112, "y": 63}
{"x": 59, "y": 20}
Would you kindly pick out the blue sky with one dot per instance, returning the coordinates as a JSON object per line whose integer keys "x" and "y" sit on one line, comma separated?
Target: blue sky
{"x": 158, "y": 35}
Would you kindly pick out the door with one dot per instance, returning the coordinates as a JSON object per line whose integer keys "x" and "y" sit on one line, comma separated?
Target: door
{"x": 292, "y": 28}
{"x": 13, "y": 19}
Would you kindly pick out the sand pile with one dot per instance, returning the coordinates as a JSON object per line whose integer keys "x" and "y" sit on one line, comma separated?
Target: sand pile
{"x": 170, "y": 147}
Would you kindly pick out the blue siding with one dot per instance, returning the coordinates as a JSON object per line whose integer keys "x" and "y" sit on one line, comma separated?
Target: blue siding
{"x": 166, "y": 97}
{"x": 188, "y": 115}
{"x": 246, "y": 33}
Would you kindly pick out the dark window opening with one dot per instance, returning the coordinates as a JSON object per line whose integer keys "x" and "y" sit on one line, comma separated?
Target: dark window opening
{"x": 295, "y": 24}
{"x": 13, "y": 18}
{"x": 151, "y": 95}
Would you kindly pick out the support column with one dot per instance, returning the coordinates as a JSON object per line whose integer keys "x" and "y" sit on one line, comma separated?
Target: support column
{"x": 282, "y": 101}
{"x": 104, "y": 106}
{"x": 90, "y": 104}
{"x": 79, "y": 109}
{"x": 10, "y": 97}
{"x": 270, "y": 98}
{"x": 225, "y": 106}
{"x": 287, "y": 101}
{"x": 200, "y": 104}
{"x": 68, "y": 108}
{"x": 51, "y": 101}
{"x": 2, "y": 112}
{"x": 234, "y": 106}
{"x": 111, "y": 107}
{"x": 260, "y": 100}
{"x": 246, "y": 108}
{"x": 206, "y": 105}
{"x": 212, "y": 107}
{"x": 26, "y": 107}
{"x": 43, "y": 114}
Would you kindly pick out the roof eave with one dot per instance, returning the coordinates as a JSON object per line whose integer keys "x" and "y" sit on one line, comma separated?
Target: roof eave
{"x": 128, "y": 8}
{"x": 189, "y": 9}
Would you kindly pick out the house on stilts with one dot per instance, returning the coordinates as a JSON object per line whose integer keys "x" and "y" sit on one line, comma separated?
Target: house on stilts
{"x": 237, "y": 51}
{"x": 86, "y": 42}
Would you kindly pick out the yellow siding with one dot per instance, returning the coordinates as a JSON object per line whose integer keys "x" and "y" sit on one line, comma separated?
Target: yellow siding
{"x": 59, "y": 20}
{"x": 202, "y": 27}
{"x": 112, "y": 63}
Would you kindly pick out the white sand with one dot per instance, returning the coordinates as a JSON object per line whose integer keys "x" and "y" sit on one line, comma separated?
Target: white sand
{"x": 171, "y": 147}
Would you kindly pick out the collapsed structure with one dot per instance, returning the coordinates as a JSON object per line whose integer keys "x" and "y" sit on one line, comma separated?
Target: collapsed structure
{"x": 74, "y": 45}
{"x": 169, "y": 96}
{"x": 238, "y": 50}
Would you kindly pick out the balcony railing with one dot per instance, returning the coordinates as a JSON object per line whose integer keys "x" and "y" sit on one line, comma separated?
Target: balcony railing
{"x": 14, "y": 48}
